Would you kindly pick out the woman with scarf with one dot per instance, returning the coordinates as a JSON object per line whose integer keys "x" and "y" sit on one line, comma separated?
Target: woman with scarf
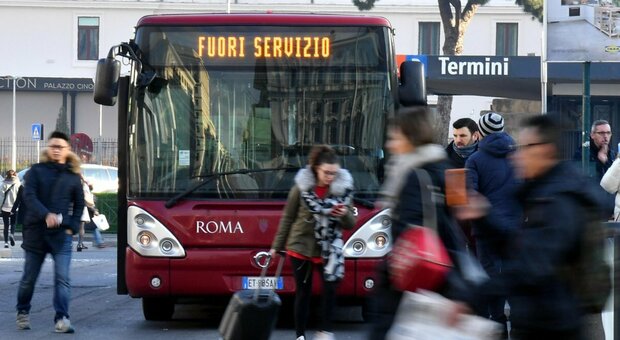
{"x": 10, "y": 203}
{"x": 317, "y": 208}
{"x": 410, "y": 144}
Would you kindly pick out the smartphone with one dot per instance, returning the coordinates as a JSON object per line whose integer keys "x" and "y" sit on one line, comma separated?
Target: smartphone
{"x": 456, "y": 187}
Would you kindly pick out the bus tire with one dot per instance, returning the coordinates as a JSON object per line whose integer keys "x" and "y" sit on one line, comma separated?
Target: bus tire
{"x": 157, "y": 309}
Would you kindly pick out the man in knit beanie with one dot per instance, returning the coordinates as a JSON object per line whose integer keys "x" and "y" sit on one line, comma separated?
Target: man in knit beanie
{"x": 491, "y": 173}
{"x": 491, "y": 123}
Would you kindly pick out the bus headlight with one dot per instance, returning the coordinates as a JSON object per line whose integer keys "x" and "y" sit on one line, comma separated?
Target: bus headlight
{"x": 166, "y": 246}
{"x": 372, "y": 238}
{"x": 145, "y": 238}
{"x": 380, "y": 241}
{"x": 149, "y": 237}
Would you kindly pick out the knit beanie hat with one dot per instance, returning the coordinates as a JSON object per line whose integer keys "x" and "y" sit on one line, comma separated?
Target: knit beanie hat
{"x": 491, "y": 123}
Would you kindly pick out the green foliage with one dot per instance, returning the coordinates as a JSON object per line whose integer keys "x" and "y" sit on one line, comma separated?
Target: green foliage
{"x": 534, "y": 7}
{"x": 107, "y": 204}
{"x": 364, "y": 5}
{"x": 62, "y": 123}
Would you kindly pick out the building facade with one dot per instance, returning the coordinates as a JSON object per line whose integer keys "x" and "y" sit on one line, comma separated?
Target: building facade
{"x": 47, "y": 71}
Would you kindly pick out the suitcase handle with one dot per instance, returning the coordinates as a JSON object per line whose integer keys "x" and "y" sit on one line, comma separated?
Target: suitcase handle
{"x": 263, "y": 272}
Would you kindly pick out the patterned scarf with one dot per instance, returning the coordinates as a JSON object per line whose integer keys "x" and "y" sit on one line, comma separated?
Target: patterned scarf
{"x": 327, "y": 229}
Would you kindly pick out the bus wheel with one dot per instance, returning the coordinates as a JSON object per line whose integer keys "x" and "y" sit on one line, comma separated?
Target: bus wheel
{"x": 157, "y": 309}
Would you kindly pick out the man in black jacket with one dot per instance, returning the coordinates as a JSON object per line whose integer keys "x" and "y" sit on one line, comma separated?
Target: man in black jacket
{"x": 602, "y": 154}
{"x": 466, "y": 136}
{"x": 553, "y": 197}
{"x": 54, "y": 202}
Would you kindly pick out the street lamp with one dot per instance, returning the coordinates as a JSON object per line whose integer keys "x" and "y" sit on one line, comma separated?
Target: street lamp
{"x": 13, "y": 140}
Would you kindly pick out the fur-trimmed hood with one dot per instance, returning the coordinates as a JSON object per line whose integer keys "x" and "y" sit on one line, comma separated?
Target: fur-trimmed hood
{"x": 72, "y": 160}
{"x": 305, "y": 181}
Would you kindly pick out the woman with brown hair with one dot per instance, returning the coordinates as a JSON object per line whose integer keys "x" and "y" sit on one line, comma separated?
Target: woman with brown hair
{"x": 318, "y": 207}
{"x": 412, "y": 148}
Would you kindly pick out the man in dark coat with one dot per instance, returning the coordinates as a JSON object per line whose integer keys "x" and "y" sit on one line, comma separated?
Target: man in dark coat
{"x": 54, "y": 202}
{"x": 554, "y": 197}
{"x": 491, "y": 173}
{"x": 602, "y": 154}
{"x": 465, "y": 141}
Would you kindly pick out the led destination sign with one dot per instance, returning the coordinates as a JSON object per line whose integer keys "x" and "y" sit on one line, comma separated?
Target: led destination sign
{"x": 268, "y": 47}
{"x": 213, "y": 47}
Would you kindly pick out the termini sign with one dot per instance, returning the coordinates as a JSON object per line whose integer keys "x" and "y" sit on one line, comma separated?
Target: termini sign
{"x": 482, "y": 67}
{"x": 47, "y": 84}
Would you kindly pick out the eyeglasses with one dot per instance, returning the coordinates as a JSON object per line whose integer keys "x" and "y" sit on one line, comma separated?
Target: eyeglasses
{"x": 603, "y": 133}
{"x": 57, "y": 147}
{"x": 525, "y": 146}
{"x": 329, "y": 173}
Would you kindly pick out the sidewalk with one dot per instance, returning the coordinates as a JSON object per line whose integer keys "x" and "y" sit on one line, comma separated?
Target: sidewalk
{"x": 110, "y": 240}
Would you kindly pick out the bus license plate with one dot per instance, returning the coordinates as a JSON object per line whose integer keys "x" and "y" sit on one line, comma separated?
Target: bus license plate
{"x": 257, "y": 282}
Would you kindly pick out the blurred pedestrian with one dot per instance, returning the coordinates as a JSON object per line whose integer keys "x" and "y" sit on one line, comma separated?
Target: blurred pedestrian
{"x": 55, "y": 201}
{"x": 10, "y": 189}
{"x": 319, "y": 205}
{"x": 611, "y": 183}
{"x": 557, "y": 200}
{"x": 491, "y": 173}
{"x": 410, "y": 145}
{"x": 90, "y": 210}
{"x": 465, "y": 143}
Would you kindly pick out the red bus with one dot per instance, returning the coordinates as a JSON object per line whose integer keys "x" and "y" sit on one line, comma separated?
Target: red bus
{"x": 216, "y": 115}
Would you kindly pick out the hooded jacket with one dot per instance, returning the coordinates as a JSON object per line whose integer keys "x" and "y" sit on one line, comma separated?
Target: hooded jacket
{"x": 547, "y": 239}
{"x": 296, "y": 230}
{"x": 491, "y": 173}
{"x": 51, "y": 188}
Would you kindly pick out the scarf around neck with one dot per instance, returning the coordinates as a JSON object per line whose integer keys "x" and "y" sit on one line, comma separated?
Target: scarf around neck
{"x": 399, "y": 166}
{"x": 465, "y": 151}
{"x": 327, "y": 230}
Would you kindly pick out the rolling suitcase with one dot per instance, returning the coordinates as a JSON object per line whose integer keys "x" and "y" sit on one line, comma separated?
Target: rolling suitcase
{"x": 252, "y": 313}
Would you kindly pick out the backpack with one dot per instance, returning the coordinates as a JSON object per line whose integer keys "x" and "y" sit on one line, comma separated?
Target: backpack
{"x": 589, "y": 275}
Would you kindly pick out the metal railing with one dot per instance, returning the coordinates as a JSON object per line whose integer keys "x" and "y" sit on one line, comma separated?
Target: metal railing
{"x": 104, "y": 152}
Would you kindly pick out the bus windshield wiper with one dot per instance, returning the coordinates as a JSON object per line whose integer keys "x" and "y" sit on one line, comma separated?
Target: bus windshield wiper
{"x": 174, "y": 200}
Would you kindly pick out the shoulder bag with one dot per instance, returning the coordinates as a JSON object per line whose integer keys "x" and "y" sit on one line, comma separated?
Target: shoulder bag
{"x": 419, "y": 259}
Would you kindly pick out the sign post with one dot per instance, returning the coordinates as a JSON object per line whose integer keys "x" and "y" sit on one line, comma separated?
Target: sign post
{"x": 37, "y": 135}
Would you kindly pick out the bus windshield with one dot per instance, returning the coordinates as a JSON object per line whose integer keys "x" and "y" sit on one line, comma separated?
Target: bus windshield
{"x": 257, "y": 98}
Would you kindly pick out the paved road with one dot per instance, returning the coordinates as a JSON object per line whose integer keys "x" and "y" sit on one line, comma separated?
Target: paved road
{"x": 97, "y": 312}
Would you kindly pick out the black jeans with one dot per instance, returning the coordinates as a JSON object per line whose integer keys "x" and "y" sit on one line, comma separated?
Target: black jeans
{"x": 303, "y": 271}
{"x": 9, "y": 222}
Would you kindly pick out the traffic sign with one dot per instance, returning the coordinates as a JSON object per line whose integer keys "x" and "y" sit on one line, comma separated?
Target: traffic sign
{"x": 37, "y": 131}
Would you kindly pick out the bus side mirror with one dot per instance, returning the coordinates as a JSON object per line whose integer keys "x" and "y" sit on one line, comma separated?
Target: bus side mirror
{"x": 106, "y": 81}
{"x": 412, "y": 89}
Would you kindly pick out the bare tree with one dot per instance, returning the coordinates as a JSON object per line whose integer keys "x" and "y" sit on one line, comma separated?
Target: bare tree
{"x": 455, "y": 19}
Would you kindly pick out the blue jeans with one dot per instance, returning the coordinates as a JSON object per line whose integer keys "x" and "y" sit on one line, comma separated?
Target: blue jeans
{"x": 61, "y": 253}
{"x": 97, "y": 236}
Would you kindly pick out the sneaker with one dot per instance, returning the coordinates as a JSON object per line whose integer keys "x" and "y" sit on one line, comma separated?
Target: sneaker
{"x": 322, "y": 335}
{"x": 301, "y": 338}
{"x": 23, "y": 321}
{"x": 12, "y": 240}
{"x": 63, "y": 326}
{"x": 6, "y": 245}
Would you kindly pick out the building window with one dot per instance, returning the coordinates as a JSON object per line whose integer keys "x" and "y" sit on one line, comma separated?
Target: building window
{"x": 88, "y": 38}
{"x": 506, "y": 39}
{"x": 428, "y": 38}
